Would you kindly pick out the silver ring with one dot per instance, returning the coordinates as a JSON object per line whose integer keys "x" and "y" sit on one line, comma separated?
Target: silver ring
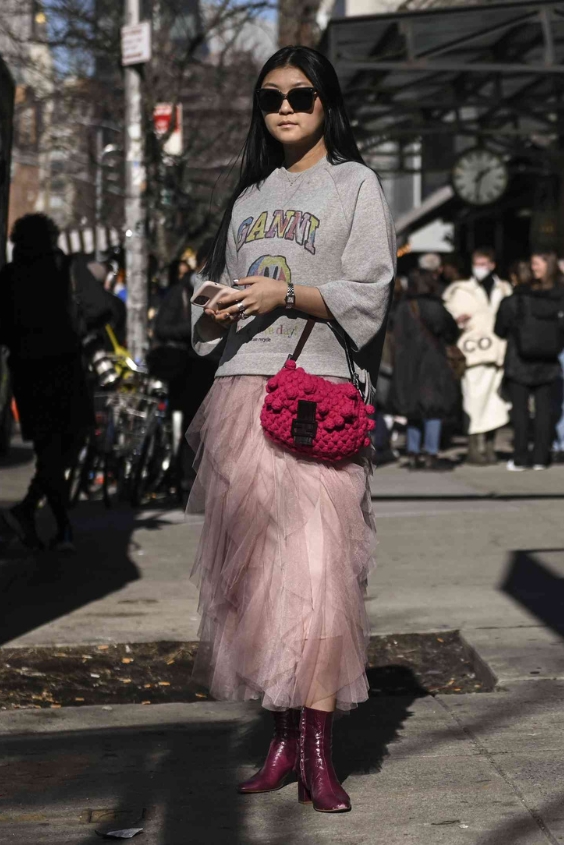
{"x": 241, "y": 306}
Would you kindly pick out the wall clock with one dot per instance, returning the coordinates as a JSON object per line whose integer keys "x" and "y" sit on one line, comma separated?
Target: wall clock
{"x": 480, "y": 176}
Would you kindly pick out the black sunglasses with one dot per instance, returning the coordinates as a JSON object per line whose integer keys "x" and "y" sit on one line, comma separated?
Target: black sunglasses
{"x": 300, "y": 99}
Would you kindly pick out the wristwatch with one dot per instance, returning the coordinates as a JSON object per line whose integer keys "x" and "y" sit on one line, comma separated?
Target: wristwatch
{"x": 290, "y": 296}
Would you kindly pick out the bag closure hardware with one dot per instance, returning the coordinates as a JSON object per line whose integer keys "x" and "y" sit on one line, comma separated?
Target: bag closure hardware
{"x": 304, "y": 426}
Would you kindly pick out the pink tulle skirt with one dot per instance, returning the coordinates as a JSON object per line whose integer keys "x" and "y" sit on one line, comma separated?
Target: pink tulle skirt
{"x": 285, "y": 551}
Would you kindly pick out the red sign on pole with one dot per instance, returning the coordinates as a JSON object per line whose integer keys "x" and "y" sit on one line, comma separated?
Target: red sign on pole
{"x": 162, "y": 119}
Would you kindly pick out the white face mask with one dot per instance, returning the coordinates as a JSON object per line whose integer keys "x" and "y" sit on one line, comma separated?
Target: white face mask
{"x": 480, "y": 272}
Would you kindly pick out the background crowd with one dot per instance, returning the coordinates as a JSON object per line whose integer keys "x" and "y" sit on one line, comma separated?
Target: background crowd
{"x": 470, "y": 354}
{"x": 464, "y": 355}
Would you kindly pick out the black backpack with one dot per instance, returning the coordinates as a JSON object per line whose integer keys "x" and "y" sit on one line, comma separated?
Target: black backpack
{"x": 540, "y": 328}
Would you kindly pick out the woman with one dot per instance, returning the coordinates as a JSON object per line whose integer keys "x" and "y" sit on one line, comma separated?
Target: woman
{"x": 474, "y": 303}
{"x": 423, "y": 385}
{"x": 519, "y": 273}
{"x": 39, "y": 328}
{"x": 287, "y": 541}
{"x": 532, "y": 321}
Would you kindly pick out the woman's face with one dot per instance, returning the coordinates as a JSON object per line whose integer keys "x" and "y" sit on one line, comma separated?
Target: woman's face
{"x": 287, "y": 126}
{"x": 538, "y": 266}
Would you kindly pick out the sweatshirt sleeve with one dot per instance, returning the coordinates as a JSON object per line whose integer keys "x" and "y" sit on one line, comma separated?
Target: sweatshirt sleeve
{"x": 504, "y": 318}
{"x": 207, "y": 336}
{"x": 360, "y": 300}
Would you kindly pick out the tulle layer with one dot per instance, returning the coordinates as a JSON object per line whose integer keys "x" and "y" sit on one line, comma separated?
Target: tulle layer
{"x": 283, "y": 560}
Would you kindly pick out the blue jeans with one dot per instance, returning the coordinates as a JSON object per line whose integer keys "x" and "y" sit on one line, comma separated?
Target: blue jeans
{"x": 559, "y": 441}
{"x": 381, "y": 434}
{"x": 431, "y": 429}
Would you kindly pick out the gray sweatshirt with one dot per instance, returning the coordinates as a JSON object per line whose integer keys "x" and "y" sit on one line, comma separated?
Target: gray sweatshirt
{"x": 328, "y": 227}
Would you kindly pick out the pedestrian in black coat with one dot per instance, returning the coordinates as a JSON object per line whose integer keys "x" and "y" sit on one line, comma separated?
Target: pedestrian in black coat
{"x": 188, "y": 388}
{"x": 423, "y": 385}
{"x": 98, "y": 306}
{"x": 532, "y": 321}
{"x": 38, "y": 325}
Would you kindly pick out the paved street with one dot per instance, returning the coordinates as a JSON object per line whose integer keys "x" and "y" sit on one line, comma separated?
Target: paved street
{"x": 480, "y": 550}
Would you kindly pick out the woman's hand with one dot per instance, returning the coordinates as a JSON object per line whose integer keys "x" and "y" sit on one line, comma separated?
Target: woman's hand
{"x": 261, "y": 296}
{"x": 463, "y": 320}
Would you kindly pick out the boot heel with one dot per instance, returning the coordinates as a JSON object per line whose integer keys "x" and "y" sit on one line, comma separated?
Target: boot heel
{"x": 304, "y": 796}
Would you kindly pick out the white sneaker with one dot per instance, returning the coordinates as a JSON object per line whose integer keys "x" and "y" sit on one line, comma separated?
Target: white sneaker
{"x": 540, "y": 466}
{"x": 513, "y": 467}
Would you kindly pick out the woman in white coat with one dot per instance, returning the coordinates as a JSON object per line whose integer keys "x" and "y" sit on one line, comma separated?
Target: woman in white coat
{"x": 474, "y": 303}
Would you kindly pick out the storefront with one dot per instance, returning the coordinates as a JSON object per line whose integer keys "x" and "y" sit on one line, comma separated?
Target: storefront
{"x": 465, "y": 106}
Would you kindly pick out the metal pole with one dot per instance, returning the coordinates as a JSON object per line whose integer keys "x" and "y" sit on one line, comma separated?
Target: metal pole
{"x": 135, "y": 211}
{"x": 99, "y": 190}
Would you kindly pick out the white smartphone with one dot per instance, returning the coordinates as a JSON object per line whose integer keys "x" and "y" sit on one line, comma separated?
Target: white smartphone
{"x": 207, "y": 294}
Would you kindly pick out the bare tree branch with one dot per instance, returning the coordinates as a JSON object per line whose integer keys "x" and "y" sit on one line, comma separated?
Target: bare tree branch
{"x": 199, "y": 60}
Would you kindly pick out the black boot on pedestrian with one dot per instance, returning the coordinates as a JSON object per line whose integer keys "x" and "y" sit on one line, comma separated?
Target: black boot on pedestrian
{"x": 63, "y": 541}
{"x": 436, "y": 464}
{"x": 414, "y": 461}
{"x": 20, "y": 520}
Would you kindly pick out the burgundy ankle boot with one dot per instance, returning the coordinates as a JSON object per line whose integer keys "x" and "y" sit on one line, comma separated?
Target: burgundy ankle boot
{"x": 282, "y": 757}
{"x": 317, "y": 779}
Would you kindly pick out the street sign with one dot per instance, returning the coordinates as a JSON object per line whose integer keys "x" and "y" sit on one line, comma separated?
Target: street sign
{"x": 136, "y": 44}
{"x": 162, "y": 116}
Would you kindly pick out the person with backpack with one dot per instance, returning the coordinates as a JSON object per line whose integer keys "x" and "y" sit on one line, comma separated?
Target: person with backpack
{"x": 532, "y": 321}
{"x": 39, "y": 325}
{"x": 423, "y": 386}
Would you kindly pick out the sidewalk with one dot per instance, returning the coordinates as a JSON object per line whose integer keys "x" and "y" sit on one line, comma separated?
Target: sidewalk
{"x": 478, "y": 549}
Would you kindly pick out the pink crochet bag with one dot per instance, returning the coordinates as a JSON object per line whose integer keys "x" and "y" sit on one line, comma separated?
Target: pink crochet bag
{"x": 313, "y": 416}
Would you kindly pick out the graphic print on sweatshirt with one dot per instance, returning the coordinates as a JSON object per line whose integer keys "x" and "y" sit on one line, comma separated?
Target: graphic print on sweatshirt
{"x": 290, "y": 225}
{"x": 272, "y": 266}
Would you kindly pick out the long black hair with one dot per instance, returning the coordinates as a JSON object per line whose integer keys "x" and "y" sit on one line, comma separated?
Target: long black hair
{"x": 262, "y": 153}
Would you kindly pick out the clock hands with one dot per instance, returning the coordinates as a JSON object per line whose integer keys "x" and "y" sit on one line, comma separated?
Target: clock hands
{"x": 479, "y": 176}
{"x": 478, "y": 180}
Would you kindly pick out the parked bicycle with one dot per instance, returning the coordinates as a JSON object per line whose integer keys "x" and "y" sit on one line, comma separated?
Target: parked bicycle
{"x": 129, "y": 453}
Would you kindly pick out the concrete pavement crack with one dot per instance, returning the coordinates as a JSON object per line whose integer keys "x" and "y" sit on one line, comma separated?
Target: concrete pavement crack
{"x": 483, "y": 751}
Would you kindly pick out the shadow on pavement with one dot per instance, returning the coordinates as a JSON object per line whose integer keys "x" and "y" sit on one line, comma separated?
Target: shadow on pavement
{"x": 360, "y": 739}
{"x": 177, "y": 781}
{"x": 16, "y": 456}
{"x": 38, "y": 588}
{"x": 175, "y": 778}
{"x": 536, "y": 588}
{"x": 527, "y": 825}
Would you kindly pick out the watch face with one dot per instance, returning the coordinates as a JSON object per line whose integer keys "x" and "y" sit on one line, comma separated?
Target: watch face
{"x": 480, "y": 177}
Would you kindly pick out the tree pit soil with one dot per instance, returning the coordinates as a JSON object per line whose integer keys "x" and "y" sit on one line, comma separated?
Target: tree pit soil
{"x": 160, "y": 672}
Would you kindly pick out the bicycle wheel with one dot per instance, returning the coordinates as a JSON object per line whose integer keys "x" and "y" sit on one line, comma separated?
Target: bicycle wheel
{"x": 143, "y": 468}
{"x": 154, "y": 463}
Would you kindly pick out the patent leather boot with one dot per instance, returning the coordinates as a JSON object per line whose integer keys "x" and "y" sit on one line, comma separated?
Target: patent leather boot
{"x": 317, "y": 779}
{"x": 282, "y": 758}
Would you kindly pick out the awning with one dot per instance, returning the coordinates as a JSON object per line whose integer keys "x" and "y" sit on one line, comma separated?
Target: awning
{"x": 487, "y": 72}
{"x": 422, "y": 214}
